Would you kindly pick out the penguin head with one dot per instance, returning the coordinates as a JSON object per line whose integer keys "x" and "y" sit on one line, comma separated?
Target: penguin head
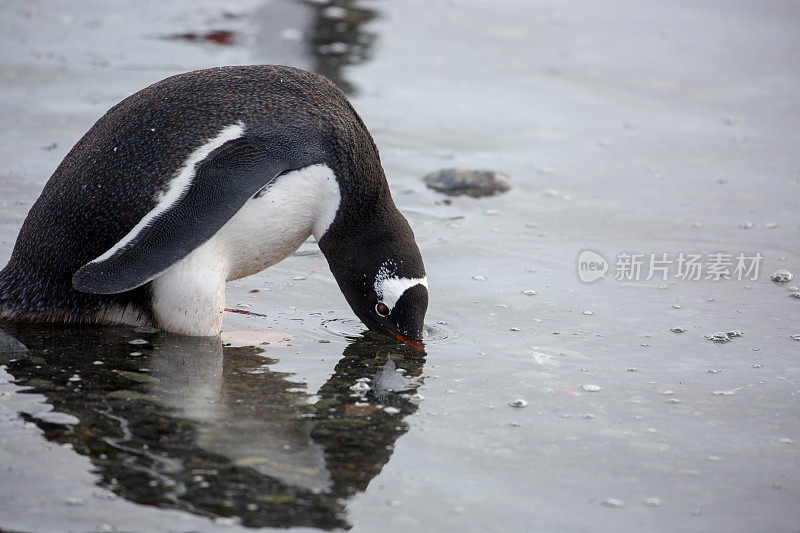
{"x": 401, "y": 300}
{"x": 382, "y": 276}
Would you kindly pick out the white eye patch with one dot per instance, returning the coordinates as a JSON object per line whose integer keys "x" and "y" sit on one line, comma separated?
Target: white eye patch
{"x": 390, "y": 288}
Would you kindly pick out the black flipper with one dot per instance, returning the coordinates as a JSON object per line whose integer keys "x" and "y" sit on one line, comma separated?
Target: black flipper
{"x": 222, "y": 183}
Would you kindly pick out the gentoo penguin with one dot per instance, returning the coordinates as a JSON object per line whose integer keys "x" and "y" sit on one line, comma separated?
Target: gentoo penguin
{"x": 207, "y": 177}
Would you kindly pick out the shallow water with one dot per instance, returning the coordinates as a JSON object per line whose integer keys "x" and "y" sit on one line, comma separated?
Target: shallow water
{"x": 646, "y": 128}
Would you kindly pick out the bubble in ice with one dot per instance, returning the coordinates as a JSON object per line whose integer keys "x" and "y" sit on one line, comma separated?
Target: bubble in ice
{"x": 530, "y": 292}
{"x": 795, "y": 295}
{"x": 735, "y": 333}
{"x": 479, "y": 278}
{"x": 391, "y": 410}
{"x": 714, "y": 371}
{"x": 588, "y": 416}
{"x": 652, "y": 502}
{"x": 785, "y": 440}
{"x": 75, "y": 501}
{"x": 677, "y": 330}
{"x": 796, "y": 337}
{"x": 518, "y": 403}
{"x": 588, "y": 312}
{"x": 592, "y": 388}
{"x": 668, "y": 392}
{"x": 719, "y": 336}
{"x": 728, "y": 392}
{"x": 771, "y": 225}
{"x": 677, "y": 307}
{"x": 794, "y": 289}
{"x": 137, "y": 341}
{"x": 746, "y": 225}
{"x": 781, "y": 276}
{"x": 673, "y": 400}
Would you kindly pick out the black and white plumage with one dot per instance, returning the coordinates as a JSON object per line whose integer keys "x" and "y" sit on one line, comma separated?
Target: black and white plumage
{"x": 203, "y": 178}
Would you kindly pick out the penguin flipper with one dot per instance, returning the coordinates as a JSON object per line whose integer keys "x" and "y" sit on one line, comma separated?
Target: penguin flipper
{"x": 220, "y": 185}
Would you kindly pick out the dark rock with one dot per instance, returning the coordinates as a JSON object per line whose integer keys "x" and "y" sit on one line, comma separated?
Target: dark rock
{"x": 475, "y": 183}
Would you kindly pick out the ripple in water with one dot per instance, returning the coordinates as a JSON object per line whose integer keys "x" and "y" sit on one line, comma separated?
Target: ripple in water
{"x": 351, "y": 328}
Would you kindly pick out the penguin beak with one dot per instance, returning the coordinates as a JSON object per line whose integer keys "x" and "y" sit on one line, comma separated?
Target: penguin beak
{"x": 414, "y": 344}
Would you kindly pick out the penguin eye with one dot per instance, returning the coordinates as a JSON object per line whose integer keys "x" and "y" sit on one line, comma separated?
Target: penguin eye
{"x": 382, "y": 309}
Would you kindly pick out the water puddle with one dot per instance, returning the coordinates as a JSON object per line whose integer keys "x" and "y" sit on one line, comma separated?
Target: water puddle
{"x": 194, "y": 425}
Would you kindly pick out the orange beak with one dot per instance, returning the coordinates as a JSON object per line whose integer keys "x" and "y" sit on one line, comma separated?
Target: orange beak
{"x": 414, "y": 344}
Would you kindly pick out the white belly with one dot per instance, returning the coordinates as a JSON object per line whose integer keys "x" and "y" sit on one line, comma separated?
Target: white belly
{"x": 271, "y": 227}
{"x": 189, "y": 298}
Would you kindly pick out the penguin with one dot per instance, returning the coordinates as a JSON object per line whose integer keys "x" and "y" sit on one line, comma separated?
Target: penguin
{"x": 207, "y": 177}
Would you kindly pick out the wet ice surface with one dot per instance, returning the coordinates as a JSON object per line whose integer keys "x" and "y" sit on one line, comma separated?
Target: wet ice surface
{"x": 647, "y": 128}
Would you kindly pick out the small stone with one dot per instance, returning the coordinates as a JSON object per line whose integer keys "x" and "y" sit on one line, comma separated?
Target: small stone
{"x": 518, "y": 403}
{"x": 652, "y": 502}
{"x": 613, "y": 503}
{"x": 475, "y": 183}
{"x": 588, "y": 416}
{"x": 592, "y": 388}
{"x": 735, "y": 333}
{"x": 719, "y": 336}
{"x": 781, "y": 276}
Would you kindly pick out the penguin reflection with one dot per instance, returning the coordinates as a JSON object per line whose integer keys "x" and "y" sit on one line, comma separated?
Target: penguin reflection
{"x": 186, "y": 423}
